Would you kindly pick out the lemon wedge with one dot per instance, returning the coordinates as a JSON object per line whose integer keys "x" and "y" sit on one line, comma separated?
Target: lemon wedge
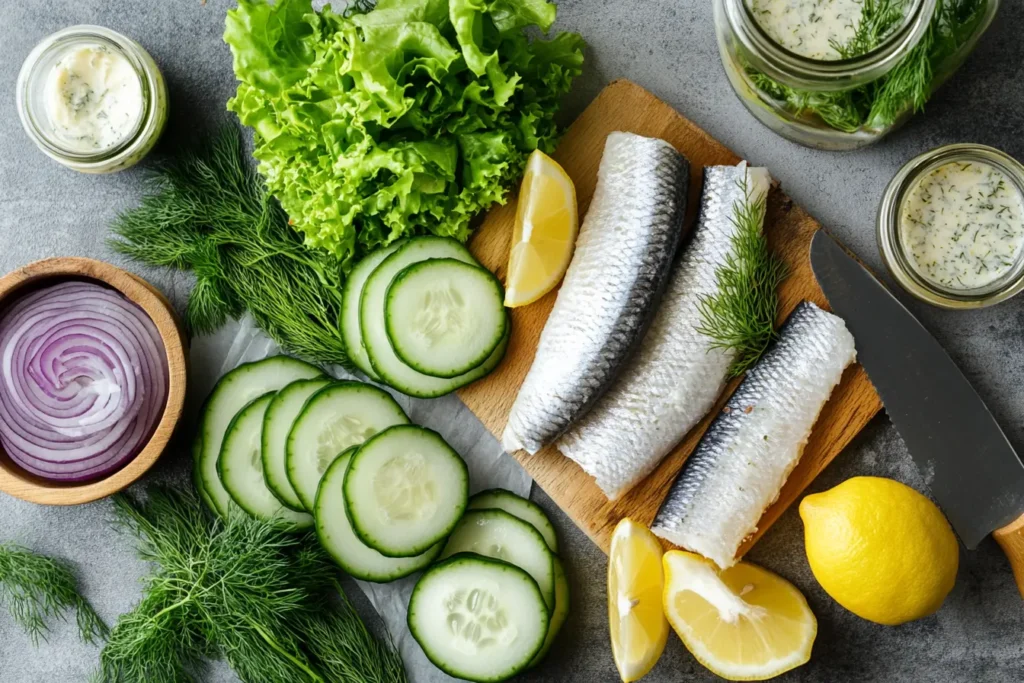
{"x": 743, "y": 623}
{"x": 635, "y": 617}
{"x": 545, "y": 231}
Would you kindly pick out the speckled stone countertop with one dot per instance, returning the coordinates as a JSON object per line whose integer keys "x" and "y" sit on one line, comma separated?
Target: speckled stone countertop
{"x": 667, "y": 46}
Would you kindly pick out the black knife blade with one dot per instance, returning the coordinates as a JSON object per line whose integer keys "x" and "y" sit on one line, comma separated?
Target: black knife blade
{"x": 973, "y": 471}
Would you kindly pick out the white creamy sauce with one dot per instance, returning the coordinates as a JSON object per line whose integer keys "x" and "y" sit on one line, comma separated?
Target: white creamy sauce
{"x": 962, "y": 225}
{"x": 809, "y": 27}
{"x": 93, "y": 98}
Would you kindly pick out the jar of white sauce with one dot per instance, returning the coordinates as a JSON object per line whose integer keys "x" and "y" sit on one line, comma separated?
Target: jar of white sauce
{"x": 813, "y": 71}
{"x": 92, "y": 99}
{"x": 951, "y": 226}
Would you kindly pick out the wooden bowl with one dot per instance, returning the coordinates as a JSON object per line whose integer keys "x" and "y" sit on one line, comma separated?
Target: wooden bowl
{"x": 19, "y": 483}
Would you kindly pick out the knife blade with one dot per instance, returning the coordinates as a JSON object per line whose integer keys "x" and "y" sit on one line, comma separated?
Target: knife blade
{"x": 972, "y": 469}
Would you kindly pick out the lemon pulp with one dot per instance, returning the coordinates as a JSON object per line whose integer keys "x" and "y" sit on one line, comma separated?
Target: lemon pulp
{"x": 743, "y": 623}
{"x": 635, "y": 617}
{"x": 545, "y": 231}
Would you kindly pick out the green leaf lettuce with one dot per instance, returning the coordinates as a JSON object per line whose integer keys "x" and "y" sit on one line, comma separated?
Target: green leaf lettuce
{"x": 408, "y": 119}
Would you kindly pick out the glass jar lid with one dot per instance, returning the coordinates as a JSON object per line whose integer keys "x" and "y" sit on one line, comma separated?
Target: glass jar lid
{"x": 951, "y": 226}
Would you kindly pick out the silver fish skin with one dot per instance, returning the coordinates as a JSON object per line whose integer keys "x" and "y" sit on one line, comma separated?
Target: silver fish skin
{"x": 674, "y": 379}
{"x": 624, "y": 254}
{"x": 743, "y": 460}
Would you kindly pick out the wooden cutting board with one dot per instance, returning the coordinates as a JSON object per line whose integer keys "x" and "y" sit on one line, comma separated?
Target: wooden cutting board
{"x": 626, "y": 106}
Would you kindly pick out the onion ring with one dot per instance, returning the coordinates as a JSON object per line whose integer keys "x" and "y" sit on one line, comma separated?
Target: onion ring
{"x": 83, "y": 381}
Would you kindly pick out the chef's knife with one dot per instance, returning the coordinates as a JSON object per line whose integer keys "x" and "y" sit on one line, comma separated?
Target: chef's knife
{"x": 972, "y": 469}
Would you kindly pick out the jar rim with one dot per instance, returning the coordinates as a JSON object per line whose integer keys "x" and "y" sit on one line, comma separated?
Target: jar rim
{"x": 804, "y": 73}
{"x": 30, "y": 74}
{"x": 888, "y": 228}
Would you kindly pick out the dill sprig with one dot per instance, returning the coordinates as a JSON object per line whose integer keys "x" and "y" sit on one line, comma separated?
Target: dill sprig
{"x": 266, "y": 601}
{"x": 904, "y": 89}
{"x": 209, "y": 212}
{"x": 878, "y": 19}
{"x": 740, "y": 315}
{"x": 36, "y": 589}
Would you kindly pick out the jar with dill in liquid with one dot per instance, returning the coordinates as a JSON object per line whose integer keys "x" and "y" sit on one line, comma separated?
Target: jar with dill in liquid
{"x": 842, "y": 74}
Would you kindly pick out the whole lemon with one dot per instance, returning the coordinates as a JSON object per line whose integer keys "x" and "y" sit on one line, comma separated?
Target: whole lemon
{"x": 880, "y": 549}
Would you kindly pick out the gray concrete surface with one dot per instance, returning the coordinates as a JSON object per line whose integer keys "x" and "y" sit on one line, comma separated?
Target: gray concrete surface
{"x": 667, "y": 46}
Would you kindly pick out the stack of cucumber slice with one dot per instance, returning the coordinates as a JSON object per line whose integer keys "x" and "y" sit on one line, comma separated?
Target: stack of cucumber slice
{"x": 423, "y": 317}
{"x": 233, "y": 392}
{"x": 284, "y": 443}
{"x": 493, "y": 605}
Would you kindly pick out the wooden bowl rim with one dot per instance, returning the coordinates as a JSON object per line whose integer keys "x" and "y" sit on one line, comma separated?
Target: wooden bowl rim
{"x": 21, "y": 484}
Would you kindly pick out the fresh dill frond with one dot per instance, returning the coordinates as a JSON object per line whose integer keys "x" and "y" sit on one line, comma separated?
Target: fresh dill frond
{"x": 346, "y": 650}
{"x": 740, "y": 315}
{"x": 906, "y": 88}
{"x": 878, "y": 18}
{"x": 36, "y": 589}
{"x": 840, "y": 110}
{"x": 209, "y": 212}
{"x": 265, "y": 600}
{"x": 910, "y": 84}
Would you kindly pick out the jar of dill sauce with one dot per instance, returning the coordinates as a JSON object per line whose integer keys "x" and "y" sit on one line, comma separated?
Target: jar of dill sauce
{"x": 841, "y": 74}
{"x": 951, "y": 226}
{"x": 92, "y": 99}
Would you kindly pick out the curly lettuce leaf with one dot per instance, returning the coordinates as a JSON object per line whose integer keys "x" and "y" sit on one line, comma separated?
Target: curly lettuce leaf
{"x": 270, "y": 44}
{"x": 409, "y": 119}
{"x": 401, "y": 11}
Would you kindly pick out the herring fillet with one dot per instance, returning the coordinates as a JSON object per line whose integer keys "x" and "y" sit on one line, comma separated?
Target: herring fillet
{"x": 624, "y": 254}
{"x": 674, "y": 379}
{"x": 744, "y": 458}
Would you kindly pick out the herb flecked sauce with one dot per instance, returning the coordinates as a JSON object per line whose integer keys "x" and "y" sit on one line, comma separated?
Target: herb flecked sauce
{"x": 93, "y": 99}
{"x": 962, "y": 225}
{"x": 809, "y": 28}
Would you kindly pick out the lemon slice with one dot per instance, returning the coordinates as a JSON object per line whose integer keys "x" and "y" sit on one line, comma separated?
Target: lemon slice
{"x": 635, "y": 617}
{"x": 545, "y": 231}
{"x": 743, "y": 623}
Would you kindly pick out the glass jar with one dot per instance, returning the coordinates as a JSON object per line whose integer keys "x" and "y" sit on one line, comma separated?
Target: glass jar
{"x": 785, "y": 90}
{"x": 891, "y": 226}
{"x": 142, "y": 130}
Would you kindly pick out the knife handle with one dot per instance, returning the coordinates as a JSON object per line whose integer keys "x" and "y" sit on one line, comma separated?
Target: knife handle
{"x": 1011, "y": 539}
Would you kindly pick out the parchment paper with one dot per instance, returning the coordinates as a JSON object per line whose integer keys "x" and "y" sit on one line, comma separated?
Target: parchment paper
{"x": 489, "y": 466}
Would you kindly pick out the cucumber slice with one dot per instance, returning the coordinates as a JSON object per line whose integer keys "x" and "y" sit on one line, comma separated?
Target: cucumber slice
{"x": 340, "y": 415}
{"x": 388, "y": 366}
{"x": 524, "y": 509}
{"x": 277, "y": 423}
{"x": 492, "y": 362}
{"x": 405, "y": 490}
{"x": 444, "y": 317}
{"x": 342, "y": 544}
{"x": 240, "y": 467}
{"x": 351, "y": 332}
{"x": 477, "y": 618}
{"x": 233, "y": 392}
{"x": 560, "y": 614}
{"x": 497, "y": 534}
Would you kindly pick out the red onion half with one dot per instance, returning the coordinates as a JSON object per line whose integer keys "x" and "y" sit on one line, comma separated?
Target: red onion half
{"x": 83, "y": 381}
